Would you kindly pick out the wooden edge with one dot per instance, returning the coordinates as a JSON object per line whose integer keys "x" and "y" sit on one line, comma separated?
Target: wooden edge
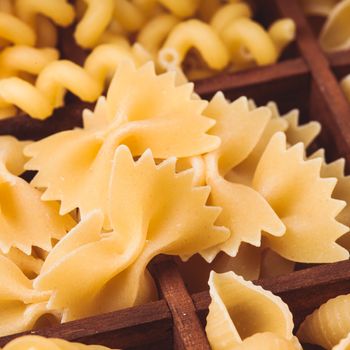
{"x": 26, "y": 128}
{"x": 303, "y": 290}
{"x": 188, "y": 331}
{"x": 253, "y": 76}
{"x": 337, "y": 116}
{"x": 131, "y": 327}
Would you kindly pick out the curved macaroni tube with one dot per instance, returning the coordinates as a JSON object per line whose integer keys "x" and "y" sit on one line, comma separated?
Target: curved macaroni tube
{"x": 104, "y": 60}
{"x": 15, "y": 31}
{"x": 246, "y": 34}
{"x": 94, "y": 22}
{"x": 64, "y": 74}
{"x": 26, "y": 59}
{"x": 282, "y": 32}
{"x": 345, "y": 85}
{"x": 7, "y": 111}
{"x": 154, "y": 33}
{"x": 181, "y": 8}
{"x": 86, "y": 82}
{"x": 197, "y": 34}
{"x": 228, "y": 13}
{"x": 59, "y": 11}
{"x": 25, "y": 96}
{"x": 129, "y": 16}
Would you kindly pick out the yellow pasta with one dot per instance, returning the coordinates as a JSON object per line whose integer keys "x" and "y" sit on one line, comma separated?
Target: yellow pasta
{"x": 282, "y": 32}
{"x": 335, "y": 33}
{"x": 245, "y": 34}
{"x": 86, "y": 82}
{"x": 181, "y": 8}
{"x": 242, "y": 169}
{"x": 21, "y": 306}
{"x": 94, "y": 22}
{"x": 228, "y": 13}
{"x": 327, "y": 325}
{"x": 268, "y": 341}
{"x": 18, "y": 200}
{"x": 40, "y": 343}
{"x": 235, "y": 303}
{"x": 154, "y": 32}
{"x": 193, "y": 34}
{"x": 345, "y": 85}
{"x": 142, "y": 111}
{"x": 152, "y": 211}
{"x": 344, "y": 344}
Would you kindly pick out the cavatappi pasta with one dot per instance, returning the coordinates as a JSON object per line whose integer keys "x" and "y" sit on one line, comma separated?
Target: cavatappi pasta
{"x": 174, "y": 34}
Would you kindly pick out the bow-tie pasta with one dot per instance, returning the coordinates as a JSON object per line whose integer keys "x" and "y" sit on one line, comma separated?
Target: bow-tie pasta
{"x": 152, "y": 210}
{"x": 239, "y": 310}
{"x": 21, "y": 307}
{"x": 142, "y": 110}
{"x": 18, "y": 202}
{"x": 31, "y": 342}
{"x": 255, "y": 166}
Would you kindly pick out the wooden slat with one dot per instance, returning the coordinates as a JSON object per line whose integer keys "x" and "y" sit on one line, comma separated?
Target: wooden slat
{"x": 303, "y": 290}
{"x": 336, "y": 112}
{"x": 26, "y": 128}
{"x": 138, "y": 327}
{"x": 188, "y": 332}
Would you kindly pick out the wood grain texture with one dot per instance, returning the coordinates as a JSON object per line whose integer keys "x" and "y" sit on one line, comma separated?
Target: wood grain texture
{"x": 303, "y": 290}
{"x": 141, "y": 327}
{"x": 188, "y": 332}
{"x": 335, "y": 112}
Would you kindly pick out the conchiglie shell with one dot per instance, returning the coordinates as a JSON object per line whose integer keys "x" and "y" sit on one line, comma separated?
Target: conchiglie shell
{"x": 335, "y": 34}
{"x": 327, "y": 325}
{"x": 239, "y": 309}
{"x": 268, "y": 341}
{"x": 344, "y": 344}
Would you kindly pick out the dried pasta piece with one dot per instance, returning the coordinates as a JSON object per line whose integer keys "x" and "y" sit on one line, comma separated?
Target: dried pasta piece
{"x": 152, "y": 210}
{"x": 235, "y": 303}
{"x": 30, "y": 265}
{"x": 272, "y": 264}
{"x": 336, "y": 31}
{"x": 344, "y": 344}
{"x": 17, "y": 202}
{"x": 240, "y": 130}
{"x": 302, "y": 199}
{"x": 20, "y": 305}
{"x": 268, "y": 341}
{"x": 327, "y": 325}
{"x": 142, "y": 111}
{"x": 28, "y": 342}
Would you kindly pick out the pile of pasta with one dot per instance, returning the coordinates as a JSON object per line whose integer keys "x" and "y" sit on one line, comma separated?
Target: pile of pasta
{"x": 202, "y": 37}
{"x": 154, "y": 170}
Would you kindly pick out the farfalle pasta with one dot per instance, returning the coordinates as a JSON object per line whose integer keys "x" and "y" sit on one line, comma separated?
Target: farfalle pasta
{"x": 40, "y": 343}
{"x": 132, "y": 114}
{"x": 152, "y": 210}
{"x": 18, "y": 200}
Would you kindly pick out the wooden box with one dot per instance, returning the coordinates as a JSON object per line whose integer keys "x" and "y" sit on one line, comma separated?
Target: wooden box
{"x": 305, "y": 78}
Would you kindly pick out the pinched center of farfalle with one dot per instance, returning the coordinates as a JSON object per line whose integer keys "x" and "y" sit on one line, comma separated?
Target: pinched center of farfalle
{"x": 141, "y": 110}
{"x": 153, "y": 210}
